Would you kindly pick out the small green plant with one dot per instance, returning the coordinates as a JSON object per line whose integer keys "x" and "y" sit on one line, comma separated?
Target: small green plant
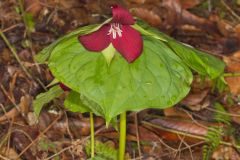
{"x": 102, "y": 151}
{"x": 124, "y": 65}
{"x": 215, "y": 134}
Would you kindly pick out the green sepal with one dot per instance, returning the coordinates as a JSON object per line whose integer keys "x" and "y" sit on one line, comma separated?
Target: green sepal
{"x": 109, "y": 53}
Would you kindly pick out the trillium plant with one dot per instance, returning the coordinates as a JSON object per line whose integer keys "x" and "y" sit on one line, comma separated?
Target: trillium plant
{"x": 122, "y": 65}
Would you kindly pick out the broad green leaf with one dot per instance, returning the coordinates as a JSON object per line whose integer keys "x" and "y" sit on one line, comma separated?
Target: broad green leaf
{"x": 93, "y": 106}
{"x": 45, "y": 53}
{"x": 74, "y": 104}
{"x": 44, "y": 98}
{"x": 42, "y": 56}
{"x": 199, "y": 61}
{"x": 157, "y": 79}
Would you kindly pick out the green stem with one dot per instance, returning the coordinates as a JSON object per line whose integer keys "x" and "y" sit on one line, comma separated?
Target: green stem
{"x": 92, "y": 134}
{"x": 234, "y": 74}
{"x": 122, "y": 138}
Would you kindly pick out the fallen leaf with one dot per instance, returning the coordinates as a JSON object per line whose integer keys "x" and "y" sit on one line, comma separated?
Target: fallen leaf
{"x": 233, "y": 66}
{"x": 225, "y": 28}
{"x": 9, "y": 153}
{"x": 144, "y": 133}
{"x": 236, "y": 111}
{"x": 195, "y": 98}
{"x": 187, "y": 4}
{"x": 147, "y": 15}
{"x": 225, "y": 152}
{"x": 24, "y": 106}
{"x": 175, "y": 112}
{"x": 33, "y": 7}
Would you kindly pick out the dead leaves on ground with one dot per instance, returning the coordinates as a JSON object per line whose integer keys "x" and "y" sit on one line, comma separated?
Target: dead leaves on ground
{"x": 210, "y": 32}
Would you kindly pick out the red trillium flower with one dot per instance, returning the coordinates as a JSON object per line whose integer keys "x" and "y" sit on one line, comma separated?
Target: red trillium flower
{"x": 126, "y": 40}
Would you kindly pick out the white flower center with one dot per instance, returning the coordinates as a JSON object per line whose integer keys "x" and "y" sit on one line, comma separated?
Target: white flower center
{"x": 115, "y": 30}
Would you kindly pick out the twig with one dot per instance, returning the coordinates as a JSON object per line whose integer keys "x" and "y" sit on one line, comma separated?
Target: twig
{"x": 11, "y": 27}
{"x": 5, "y": 112}
{"x": 69, "y": 147}
{"x": 137, "y": 135}
{"x": 229, "y": 114}
{"x": 4, "y": 158}
{"x": 187, "y": 134}
{"x": 236, "y": 74}
{"x": 187, "y": 145}
{"x": 166, "y": 145}
{"x": 36, "y": 139}
{"x": 230, "y": 10}
{"x": 10, "y": 98}
{"x": 13, "y": 50}
{"x": 182, "y": 149}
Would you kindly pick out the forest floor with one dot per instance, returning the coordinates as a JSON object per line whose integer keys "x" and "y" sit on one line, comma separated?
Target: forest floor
{"x": 205, "y": 123}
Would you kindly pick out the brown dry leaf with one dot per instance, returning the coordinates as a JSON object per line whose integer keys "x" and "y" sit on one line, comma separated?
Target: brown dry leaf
{"x": 6, "y": 55}
{"x": 22, "y": 137}
{"x": 236, "y": 111}
{"x": 77, "y": 126}
{"x": 147, "y": 15}
{"x": 186, "y": 4}
{"x": 181, "y": 125}
{"x": 225, "y": 152}
{"x": 24, "y": 106}
{"x": 225, "y": 27}
{"x": 144, "y": 133}
{"x": 174, "y": 112}
{"x": 237, "y": 30}
{"x": 137, "y": 1}
{"x": 233, "y": 65}
{"x": 33, "y": 6}
{"x": 197, "y": 100}
{"x": 9, "y": 153}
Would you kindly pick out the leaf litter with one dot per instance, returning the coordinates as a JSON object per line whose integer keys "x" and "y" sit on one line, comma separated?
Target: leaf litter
{"x": 214, "y": 29}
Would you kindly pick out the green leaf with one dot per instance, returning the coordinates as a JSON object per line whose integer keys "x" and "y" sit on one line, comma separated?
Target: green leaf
{"x": 74, "y": 104}
{"x": 42, "y": 56}
{"x": 29, "y": 22}
{"x": 102, "y": 151}
{"x": 93, "y": 106}
{"x": 45, "y": 98}
{"x": 201, "y": 62}
{"x": 157, "y": 79}
{"x": 221, "y": 115}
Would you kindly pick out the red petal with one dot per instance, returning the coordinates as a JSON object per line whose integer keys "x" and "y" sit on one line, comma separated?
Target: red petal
{"x": 121, "y": 15}
{"x": 130, "y": 45}
{"x": 96, "y": 41}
